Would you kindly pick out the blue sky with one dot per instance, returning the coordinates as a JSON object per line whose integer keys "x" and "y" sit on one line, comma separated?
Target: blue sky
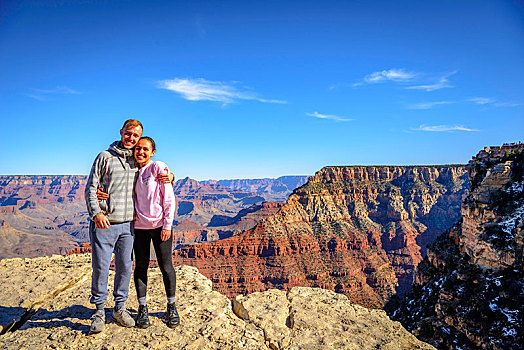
{"x": 250, "y": 89}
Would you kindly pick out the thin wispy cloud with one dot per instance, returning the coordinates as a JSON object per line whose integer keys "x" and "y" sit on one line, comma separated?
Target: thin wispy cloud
{"x": 44, "y": 94}
{"x": 443, "y": 128}
{"x": 329, "y": 116}
{"x": 391, "y": 74}
{"x": 206, "y": 90}
{"x": 416, "y": 80}
{"x": 58, "y": 90}
{"x": 481, "y": 100}
{"x": 441, "y": 84}
{"x": 507, "y": 104}
{"x": 36, "y": 97}
{"x": 394, "y": 74}
{"x": 429, "y": 105}
{"x": 487, "y": 101}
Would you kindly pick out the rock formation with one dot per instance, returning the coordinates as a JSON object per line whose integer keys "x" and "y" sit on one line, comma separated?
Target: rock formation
{"x": 81, "y": 249}
{"x": 356, "y": 230}
{"x": 221, "y": 226}
{"x": 209, "y": 211}
{"x": 201, "y": 202}
{"x": 303, "y": 318}
{"x": 273, "y": 190}
{"x": 20, "y": 190}
{"x": 469, "y": 291}
{"x": 42, "y": 215}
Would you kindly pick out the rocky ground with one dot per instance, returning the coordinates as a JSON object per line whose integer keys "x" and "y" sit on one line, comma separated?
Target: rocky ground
{"x": 302, "y": 318}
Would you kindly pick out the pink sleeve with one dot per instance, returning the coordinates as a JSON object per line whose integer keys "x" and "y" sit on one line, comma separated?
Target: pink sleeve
{"x": 168, "y": 198}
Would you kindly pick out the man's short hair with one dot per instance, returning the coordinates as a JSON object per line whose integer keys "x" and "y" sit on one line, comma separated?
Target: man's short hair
{"x": 132, "y": 123}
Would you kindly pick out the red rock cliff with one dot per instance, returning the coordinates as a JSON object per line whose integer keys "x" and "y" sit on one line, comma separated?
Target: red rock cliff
{"x": 469, "y": 291}
{"x": 356, "y": 230}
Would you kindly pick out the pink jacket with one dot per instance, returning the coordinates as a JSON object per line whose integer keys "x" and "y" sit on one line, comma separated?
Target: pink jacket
{"x": 154, "y": 201}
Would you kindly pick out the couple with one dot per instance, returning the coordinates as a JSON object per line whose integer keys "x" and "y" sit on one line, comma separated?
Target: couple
{"x": 138, "y": 206}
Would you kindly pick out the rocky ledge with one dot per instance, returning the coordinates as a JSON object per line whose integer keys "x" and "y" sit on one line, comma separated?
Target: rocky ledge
{"x": 302, "y": 318}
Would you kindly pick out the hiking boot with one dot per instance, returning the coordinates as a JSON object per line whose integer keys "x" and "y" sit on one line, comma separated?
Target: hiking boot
{"x": 122, "y": 317}
{"x": 142, "y": 319}
{"x": 172, "y": 316}
{"x": 98, "y": 322}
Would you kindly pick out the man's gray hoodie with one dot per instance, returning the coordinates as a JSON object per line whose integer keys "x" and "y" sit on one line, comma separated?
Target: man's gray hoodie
{"x": 115, "y": 172}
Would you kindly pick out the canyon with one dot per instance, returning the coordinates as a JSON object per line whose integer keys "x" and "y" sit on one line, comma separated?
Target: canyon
{"x": 440, "y": 248}
{"x": 208, "y": 212}
{"x": 187, "y": 232}
{"x": 272, "y": 190}
{"x": 41, "y": 215}
{"x": 45, "y": 214}
{"x": 356, "y": 230}
{"x": 469, "y": 290}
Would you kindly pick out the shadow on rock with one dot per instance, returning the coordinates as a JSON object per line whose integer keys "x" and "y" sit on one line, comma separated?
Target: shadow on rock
{"x": 50, "y": 319}
{"x": 9, "y": 314}
{"x": 57, "y": 323}
{"x": 74, "y": 311}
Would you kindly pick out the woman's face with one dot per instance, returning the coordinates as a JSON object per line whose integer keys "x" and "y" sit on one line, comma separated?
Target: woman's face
{"x": 143, "y": 152}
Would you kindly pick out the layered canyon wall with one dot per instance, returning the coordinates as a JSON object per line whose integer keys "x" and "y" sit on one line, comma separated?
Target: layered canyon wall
{"x": 41, "y": 214}
{"x": 46, "y": 214}
{"x": 272, "y": 190}
{"x": 356, "y": 230}
{"x": 208, "y": 212}
{"x": 187, "y": 232}
{"x": 469, "y": 291}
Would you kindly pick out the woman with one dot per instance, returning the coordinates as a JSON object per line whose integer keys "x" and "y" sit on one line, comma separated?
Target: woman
{"x": 155, "y": 209}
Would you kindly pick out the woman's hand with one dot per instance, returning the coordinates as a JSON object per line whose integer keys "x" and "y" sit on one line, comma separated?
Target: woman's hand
{"x": 165, "y": 234}
{"x": 101, "y": 195}
{"x": 166, "y": 178}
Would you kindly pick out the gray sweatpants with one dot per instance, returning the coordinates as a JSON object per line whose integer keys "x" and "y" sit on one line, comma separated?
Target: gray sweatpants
{"x": 118, "y": 238}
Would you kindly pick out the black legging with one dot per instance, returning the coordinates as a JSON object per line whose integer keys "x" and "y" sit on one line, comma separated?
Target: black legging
{"x": 163, "y": 251}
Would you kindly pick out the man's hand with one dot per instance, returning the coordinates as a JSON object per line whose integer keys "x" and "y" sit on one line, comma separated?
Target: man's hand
{"x": 101, "y": 221}
{"x": 165, "y": 234}
{"x": 101, "y": 195}
{"x": 166, "y": 178}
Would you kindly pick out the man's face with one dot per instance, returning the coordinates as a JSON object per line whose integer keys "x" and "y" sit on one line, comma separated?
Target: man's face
{"x": 130, "y": 136}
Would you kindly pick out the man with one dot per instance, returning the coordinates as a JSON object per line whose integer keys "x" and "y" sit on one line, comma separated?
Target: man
{"x": 111, "y": 225}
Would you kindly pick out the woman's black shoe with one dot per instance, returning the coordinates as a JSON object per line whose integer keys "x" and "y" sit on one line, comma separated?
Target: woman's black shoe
{"x": 142, "y": 319}
{"x": 172, "y": 316}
